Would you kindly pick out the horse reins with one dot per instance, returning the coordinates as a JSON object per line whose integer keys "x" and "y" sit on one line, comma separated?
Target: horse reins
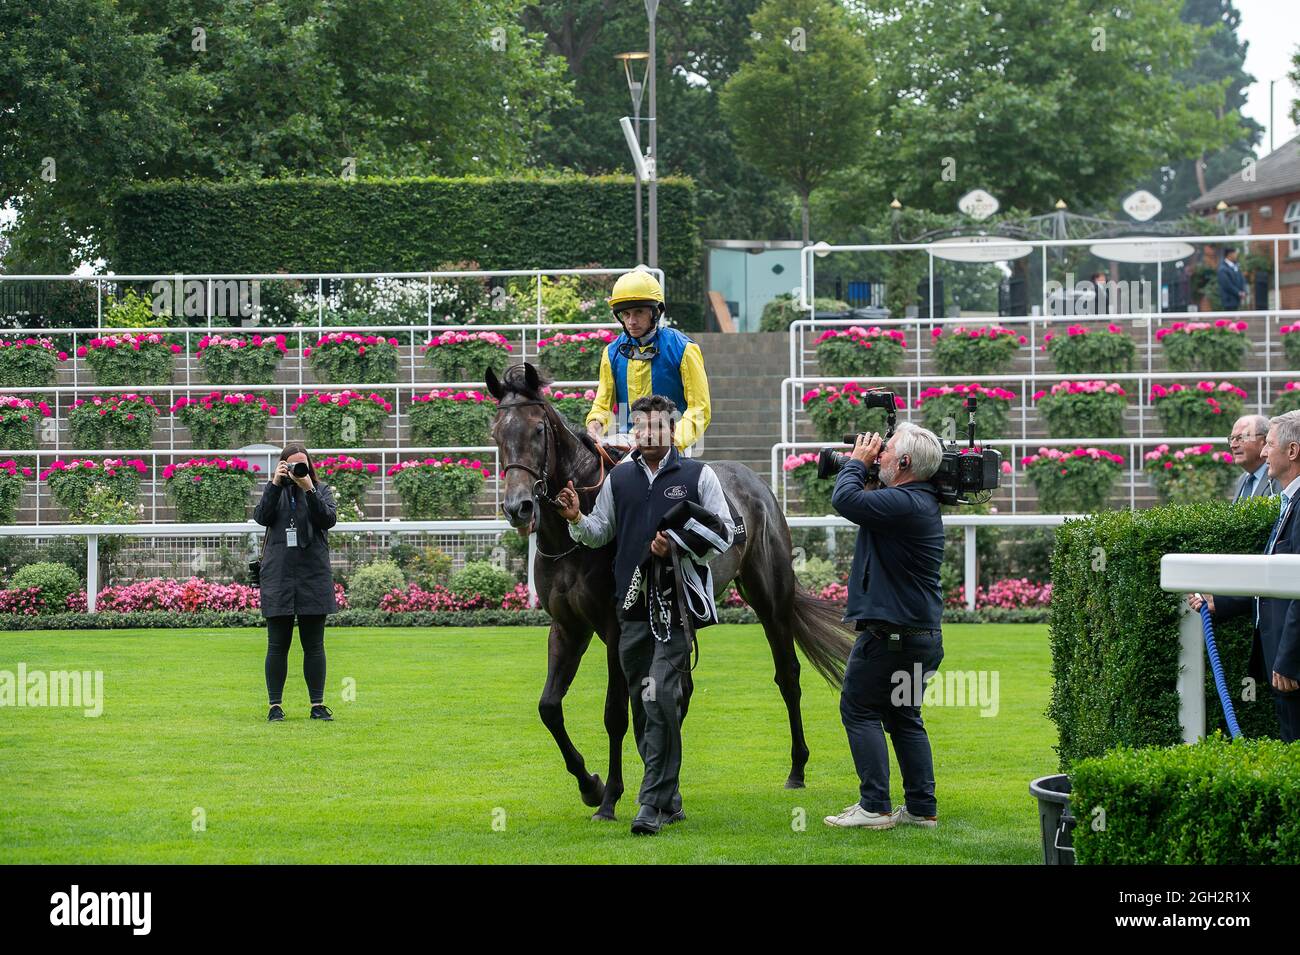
{"x": 540, "y": 490}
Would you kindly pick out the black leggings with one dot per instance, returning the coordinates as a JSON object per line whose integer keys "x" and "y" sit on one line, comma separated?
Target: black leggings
{"x": 279, "y": 634}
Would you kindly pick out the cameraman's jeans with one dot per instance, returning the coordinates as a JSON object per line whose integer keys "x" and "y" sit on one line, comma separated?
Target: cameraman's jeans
{"x": 878, "y": 696}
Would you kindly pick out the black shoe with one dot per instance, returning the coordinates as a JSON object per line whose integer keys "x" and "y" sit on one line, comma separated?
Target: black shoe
{"x": 670, "y": 817}
{"x": 276, "y": 713}
{"x": 321, "y": 712}
{"x": 648, "y": 821}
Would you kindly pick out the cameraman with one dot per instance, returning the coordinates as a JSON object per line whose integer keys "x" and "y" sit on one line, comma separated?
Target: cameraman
{"x": 896, "y": 602}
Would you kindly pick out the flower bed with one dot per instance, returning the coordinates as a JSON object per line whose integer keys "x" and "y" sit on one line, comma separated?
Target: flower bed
{"x": 872, "y": 352}
{"x": 574, "y": 357}
{"x": 1080, "y": 351}
{"x": 1205, "y": 346}
{"x": 451, "y": 416}
{"x": 816, "y": 493}
{"x": 241, "y": 359}
{"x": 210, "y": 490}
{"x": 573, "y": 406}
{"x": 144, "y": 358}
{"x": 1291, "y": 344}
{"x": 338, "y": 419}
{"x": 1288, "y": 399}
{"x": 225, "y": 419}
{"x": 415, "y": 598}
{"x": 1083, "y": 409}
{"x": 837, "y": 411}
{"x": 1072, "y": 481}
{"x": 29, "y": 361}
{"x": 19, "y": 416}
{"x": 96, "y": 492}
{"x": 465, "y": 356}
{"x": 1011, "y": 593}
{"x": 112, "y": 421}
{"x": 1190, "y": 475}
{"x": 351, "y": 358}
{"x": 943, "y": 410}
{"x": 438, "y": 488}
{"x": 986, "y": 350}
{"x": 196, "y": 595}
{"x": 349, "y": 478}
{"x": 1205, "y": 408}
{"x": 12, "y": 477}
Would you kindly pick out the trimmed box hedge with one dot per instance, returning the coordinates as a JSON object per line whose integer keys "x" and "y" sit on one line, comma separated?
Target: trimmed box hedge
{"x": 1114, "y": 632}
{"x": 399, "y": 225}
{"x": 1218, "y": 802}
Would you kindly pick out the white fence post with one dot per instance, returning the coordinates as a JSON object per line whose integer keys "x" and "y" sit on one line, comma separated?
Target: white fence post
{"x": 1191, "y": 677}
{"x": 970, "y": 566}
{"x": 92, "y": 571}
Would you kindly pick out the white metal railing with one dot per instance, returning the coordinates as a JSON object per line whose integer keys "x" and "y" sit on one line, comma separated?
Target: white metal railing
{"x": 792, "y": 390}
{"x": 808, "y": 254}
{"x": 179, "y": 281}
{"x": 92, "y": 533}
{"x": 1016, "y": 448}
{"x": 969, "y": 522}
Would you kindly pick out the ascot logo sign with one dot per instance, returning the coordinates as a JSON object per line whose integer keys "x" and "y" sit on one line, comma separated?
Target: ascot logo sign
{"x": 103, "y": 908}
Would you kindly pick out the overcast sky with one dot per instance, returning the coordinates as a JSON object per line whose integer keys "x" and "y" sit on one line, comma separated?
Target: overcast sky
{"x": 1272, "y": 27}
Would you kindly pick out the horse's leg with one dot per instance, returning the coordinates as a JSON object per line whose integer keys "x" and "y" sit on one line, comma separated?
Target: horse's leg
{"x": 563, "y": 656}
{"x": 616, "y": 719}
{"x": 778, "y": 625}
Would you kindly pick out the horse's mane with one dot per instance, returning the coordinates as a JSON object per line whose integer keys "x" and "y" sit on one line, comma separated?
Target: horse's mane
{"x": 514, "y": 381}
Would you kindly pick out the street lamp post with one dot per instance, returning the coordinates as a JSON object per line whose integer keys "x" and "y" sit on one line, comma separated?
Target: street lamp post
{"x": 651, "y": 9}
{"x": 636, "y": 87}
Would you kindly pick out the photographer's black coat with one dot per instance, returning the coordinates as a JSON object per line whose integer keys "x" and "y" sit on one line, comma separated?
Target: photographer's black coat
{"x": 895, "y": 575}
{"x": 299, "y": 582}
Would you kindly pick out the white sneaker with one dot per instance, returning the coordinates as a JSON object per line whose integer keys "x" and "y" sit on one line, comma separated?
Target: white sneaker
{"x": 925, "y": 822}
{"x": 855, "y": 817}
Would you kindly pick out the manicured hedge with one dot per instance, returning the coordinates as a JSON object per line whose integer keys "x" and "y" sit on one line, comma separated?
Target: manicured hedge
{"x": 1114, "y": 632}
{"x": 1214, "y": 803}
{"x": 397, "y": 225}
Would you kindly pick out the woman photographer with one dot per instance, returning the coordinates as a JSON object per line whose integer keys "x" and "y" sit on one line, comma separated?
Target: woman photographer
{"x": 297, "y": 513}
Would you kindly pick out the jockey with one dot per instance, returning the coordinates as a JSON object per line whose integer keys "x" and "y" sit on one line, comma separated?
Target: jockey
{"x": 648, "y": 359}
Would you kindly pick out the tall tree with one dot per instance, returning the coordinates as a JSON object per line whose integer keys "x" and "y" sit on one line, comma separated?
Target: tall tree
{"x": 804, "y": 105}
{"x": 262, "y": 88}
{"x": 1033, "y": 100}
{"x": 1220, "y": 60}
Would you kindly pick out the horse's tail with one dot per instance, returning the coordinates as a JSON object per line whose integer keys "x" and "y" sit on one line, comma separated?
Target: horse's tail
{"x": 819, "y": 633}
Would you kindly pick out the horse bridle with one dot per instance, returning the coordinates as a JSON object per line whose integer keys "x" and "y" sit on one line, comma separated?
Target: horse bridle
{"x": 540, "y": 490}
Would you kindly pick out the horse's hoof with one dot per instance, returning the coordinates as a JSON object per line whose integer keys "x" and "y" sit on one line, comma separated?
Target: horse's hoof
{"x": 793, "y": 783}
{"x": 604, "y": 815}
{"x": 594, "y": 793}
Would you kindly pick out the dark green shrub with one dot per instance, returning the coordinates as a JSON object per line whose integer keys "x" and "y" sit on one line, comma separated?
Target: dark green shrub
{"x": 482, "y": 577}
{"x": 1114, "y": 632}
{"x": 1214, "y": 803}
{"x": 55, "y": 581}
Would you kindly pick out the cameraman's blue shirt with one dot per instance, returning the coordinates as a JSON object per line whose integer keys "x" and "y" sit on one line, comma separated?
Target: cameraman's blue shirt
{"x": 895, "y": 575}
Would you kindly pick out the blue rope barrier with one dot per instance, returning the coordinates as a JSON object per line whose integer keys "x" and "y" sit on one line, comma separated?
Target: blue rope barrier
{"x": 1220, "y": 683}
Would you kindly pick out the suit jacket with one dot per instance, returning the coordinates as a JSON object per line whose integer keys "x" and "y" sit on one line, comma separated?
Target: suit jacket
{"x": 1266, "y": 487}
{"x": 1232, "y": 285}
{"x": 895, "y": 575}
{"x": 1277, "y": 638}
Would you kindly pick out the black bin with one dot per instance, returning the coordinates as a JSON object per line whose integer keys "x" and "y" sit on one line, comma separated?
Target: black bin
{"x": 1055, "y": 822}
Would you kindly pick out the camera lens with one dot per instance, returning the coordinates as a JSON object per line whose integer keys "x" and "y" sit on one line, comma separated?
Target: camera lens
{"x": 300, "y": 469}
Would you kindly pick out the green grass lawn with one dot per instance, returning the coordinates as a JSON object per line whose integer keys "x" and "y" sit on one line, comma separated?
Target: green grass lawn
{"x": 443, "y": 738}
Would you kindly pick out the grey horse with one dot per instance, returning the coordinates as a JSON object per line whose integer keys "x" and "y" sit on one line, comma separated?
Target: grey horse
{"x": 540, "y": 453}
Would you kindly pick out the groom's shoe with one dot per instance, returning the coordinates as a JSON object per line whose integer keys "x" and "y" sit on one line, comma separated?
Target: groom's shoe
{"x": 649, "y": 820}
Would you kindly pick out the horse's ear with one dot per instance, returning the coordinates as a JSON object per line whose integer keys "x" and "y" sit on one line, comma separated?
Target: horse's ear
{"x": 532, "y": 378}
{"x": 494, "y": 384}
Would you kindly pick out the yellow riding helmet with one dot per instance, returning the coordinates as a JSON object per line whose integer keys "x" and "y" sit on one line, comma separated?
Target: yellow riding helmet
{"x": 636, "y": 289}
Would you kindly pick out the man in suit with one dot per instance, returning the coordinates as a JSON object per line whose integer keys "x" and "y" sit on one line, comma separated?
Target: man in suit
{"x": 1247, "y": 446}
{"x": 1275, "y": 654}
{"x": 1232, "y": 284}
{"x": 896, "y": 603}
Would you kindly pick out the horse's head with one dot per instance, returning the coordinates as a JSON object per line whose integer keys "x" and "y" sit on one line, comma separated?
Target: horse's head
{"x": 526, "y": 439}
